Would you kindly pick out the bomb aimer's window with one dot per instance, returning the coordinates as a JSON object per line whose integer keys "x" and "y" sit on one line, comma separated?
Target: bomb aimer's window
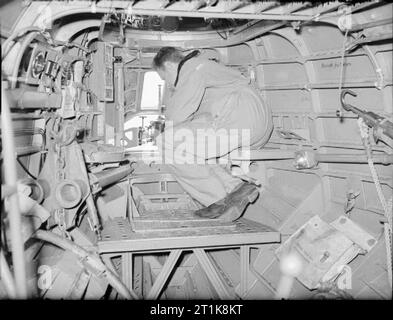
{"x": 153, "y": 88}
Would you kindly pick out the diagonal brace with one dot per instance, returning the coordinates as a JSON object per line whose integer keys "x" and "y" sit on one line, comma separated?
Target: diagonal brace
{"x": 223, "y": 292}
{"x": 164, "y": 274}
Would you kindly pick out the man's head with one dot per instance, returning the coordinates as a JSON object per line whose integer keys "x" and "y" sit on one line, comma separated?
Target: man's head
{"x": 166, "y": 63}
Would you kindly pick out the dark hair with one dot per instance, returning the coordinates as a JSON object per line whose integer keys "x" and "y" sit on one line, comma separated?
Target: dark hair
{"x": 167, "y": 54}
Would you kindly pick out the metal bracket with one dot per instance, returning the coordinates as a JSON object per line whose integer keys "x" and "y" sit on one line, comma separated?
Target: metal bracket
{"x": 286, "y": 134}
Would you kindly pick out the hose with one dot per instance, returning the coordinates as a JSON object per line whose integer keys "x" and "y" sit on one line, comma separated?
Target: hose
{"x": 6, "y": 277}
{"x": 14, "y": 215}
{"x": 91, "y": 259}
{"x": 17, "y": 34}
{"x": 25, "y": 43}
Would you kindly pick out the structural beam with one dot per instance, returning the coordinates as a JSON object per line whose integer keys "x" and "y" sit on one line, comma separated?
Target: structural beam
{"x": 223, "y": 292}
{"x": 164, "y": 274}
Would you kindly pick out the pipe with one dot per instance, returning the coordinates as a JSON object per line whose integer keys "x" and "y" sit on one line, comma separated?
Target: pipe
{"x": 24, "y": 99}
{"x": 385, "y": 159}
{"x": 91, "y": 259}
{"x": 26, "y": 150}
{"x": 6, "y": 277}
{"x": 21, "y": 51}
{"x": 184, "y": 13}
{"x": 14, "y": 215}
{"x": 16, "y": 34}
{"x": 278, "y": 154}
{"x": 26, "y": 116}
{"x": 253, "y": 22}
{"x": 109, "y": 177}
{"x": 309, "y": 159}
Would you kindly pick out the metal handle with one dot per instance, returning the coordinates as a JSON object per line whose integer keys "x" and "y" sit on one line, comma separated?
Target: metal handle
{"x": 347, "y": 106}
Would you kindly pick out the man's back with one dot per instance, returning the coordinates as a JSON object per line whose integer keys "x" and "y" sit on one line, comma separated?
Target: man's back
{"x": 209, "y": 88}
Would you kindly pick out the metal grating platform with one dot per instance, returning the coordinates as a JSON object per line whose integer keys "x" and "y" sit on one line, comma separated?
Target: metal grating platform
{"x": 118, "y": 236}
{"x": 175, "y": 220}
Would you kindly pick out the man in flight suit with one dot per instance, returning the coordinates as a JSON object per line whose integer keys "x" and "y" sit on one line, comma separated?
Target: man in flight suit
{"x": 209, "y": 99}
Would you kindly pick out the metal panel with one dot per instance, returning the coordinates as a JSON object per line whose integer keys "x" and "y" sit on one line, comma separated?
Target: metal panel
{"x": 280, "y": 47}
{"x": 355, "y": 68}
{"x": 312, "y": 37}
{"x": 284, "y": 74}
{"x": 290, "y": 100}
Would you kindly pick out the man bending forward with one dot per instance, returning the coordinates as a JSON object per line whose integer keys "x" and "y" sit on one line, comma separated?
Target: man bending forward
{"x": 210, "y": 102}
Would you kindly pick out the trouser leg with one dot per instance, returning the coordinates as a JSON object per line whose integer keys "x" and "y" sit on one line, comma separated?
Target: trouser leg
{"x": 193, "y": 143}
{"x": 200, "y": 182}
{"x": 182, "y": 150}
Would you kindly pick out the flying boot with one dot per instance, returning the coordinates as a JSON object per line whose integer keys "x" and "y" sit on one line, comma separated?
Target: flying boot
{"x": 233, "y": 205}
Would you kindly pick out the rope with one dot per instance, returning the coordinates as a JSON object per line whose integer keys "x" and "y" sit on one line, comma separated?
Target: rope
{"x": 342, "y": 68}
{"x": 388, "y": 241}
{"x": 387, "y": 208}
